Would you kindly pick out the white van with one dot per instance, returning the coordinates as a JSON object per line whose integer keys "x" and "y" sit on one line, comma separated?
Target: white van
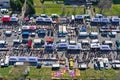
{"x": 3, "y": 42}
{"x": 107, "y": 42}
{"x": 8, "y": 32}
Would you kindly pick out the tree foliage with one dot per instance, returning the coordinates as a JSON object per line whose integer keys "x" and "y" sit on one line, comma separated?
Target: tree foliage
{"x": 42, "y": 1}
{"x": 16, "y": 5}
{"x": 18, "y": 73}
{"x": 30, "y": 7}
{"x": 104, "y": 4}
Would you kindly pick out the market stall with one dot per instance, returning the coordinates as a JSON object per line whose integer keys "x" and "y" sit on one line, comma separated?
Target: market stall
{"x": 14, "y": 19}
{"x": 79, "y": 19}
{"x": 105, "y": 47}
{"x": 5, "y": 19}
{"x": 62, "y": 46}
{"x": 95, "y": 21}
{"x": 39, "y": 20}
{"x": 49, "y": 44}
{"x": 115, "y": 21}
{"x": 104, "y": 21}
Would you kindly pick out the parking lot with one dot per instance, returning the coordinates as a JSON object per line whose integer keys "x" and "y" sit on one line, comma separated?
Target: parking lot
{"x": 81, "y": 33}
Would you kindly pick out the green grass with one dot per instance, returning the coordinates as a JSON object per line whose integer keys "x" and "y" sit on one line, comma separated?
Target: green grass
{"x": 5, "y": 71}
{"x": 88, "y": 74}
{"x": 45, "y": 73}
{"x": 40, "y": 73}
{"x": 50, "y": 8}
{"x": 114, "y": 10}
{"x": 94, "y": 74}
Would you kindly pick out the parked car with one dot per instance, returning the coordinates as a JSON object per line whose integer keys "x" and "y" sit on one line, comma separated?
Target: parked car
{"x": 106, "y": 65}
{"x": 15, "y": 33}
{"x": 19, "y": 31}
{"x": 24, "y": 41}
{"x": 118, "y": 44}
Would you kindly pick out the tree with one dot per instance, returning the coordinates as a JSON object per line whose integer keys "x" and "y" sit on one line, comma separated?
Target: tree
{"x": 63, "y": 11}
{"x": 18, "y": 72}
{"x": 16, "y": 5}
{"x": 29, "y": 7}
{"x": 74, "y": 10}
{"x": 104, "y": 4}
{"x": 42, "y": 1}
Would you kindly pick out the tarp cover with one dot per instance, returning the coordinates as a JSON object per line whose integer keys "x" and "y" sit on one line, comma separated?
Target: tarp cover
{"x": 62, "y": 45}
{"x": 13, "y": 19}
{"x": 49, "y": 40}
{"x": 6, "y": 18}
{"x": 115, "y": 19}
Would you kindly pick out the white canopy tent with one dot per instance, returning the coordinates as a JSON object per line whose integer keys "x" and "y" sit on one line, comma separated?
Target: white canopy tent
{"x": 25, "y": 27}
{"x": 6, "y": 60}
{"x": 95, "y": 41}
{"x": 82, "y": 66}
{"x": 108, "y": 42}
{"x": 60, "y": 28}
{"x": 37, "y": 41}
{"x": 62, "y": 40}
{"x": 14, "y": 19}
{"x": 98, "y": 15}
{"x": 83, "y": 34}
{"x": 94, "y": 34}
{"x": 55, "y": 65}
{"x": 64, "y": 29}
{"x": 85, "y": 41}
{"x": 39, "y": 19}
{"x": 8, "y": 32}
{"x": 105, "y": 47}
{"x": 16, "y": 40}
{"x": 95, "y": 45}
{"x": 72, "y": 42}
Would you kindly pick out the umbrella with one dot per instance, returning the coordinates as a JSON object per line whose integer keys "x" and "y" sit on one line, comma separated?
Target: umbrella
{"x": 58, "y": 74}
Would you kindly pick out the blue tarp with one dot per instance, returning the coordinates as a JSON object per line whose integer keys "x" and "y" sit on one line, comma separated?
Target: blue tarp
{"x": 22, "y": 59}
{"x": 73, "y": 47}
{"x": 95, "y": 19}
{"x": 41, "y": 31}
{"x": 12, "y": 59}
{"x": 105, "y": 47}
{"x": 79, "y": 17}
{"x": 49, "y": 46}
{"x": 48, "y": 20}
{"x": 32, "y": 59}
{"x": 105, "y": 20}
{"x": 25, "y": 33}
{"x": 49, "y": 59}
{"x": 40, "y": 19}
{"x": 62, "y": 45}
{"x": 83, "y": 29}
{"x": 115, "y": 20}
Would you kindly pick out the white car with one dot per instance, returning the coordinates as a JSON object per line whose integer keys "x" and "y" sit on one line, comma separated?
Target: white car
{"x": 19, "y": 31}
{"x": 15, "y": 33}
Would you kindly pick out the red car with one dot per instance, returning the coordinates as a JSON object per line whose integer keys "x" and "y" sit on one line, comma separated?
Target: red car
{"x": 29, "y": 43}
